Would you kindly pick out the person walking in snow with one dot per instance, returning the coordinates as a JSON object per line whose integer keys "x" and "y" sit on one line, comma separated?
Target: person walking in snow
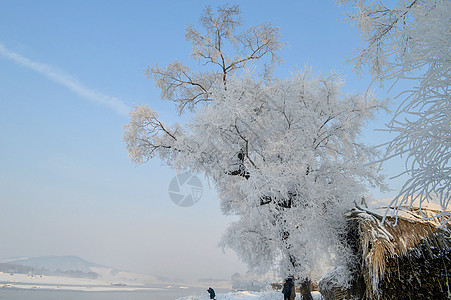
{"x": 212, "y": 293}
{"x": 288, "y": 290}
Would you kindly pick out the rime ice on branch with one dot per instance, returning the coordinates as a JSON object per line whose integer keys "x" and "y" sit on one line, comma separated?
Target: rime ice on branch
{"x": 412, "y": 41}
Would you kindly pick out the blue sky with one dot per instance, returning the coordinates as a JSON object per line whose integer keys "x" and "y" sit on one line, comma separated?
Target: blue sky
{"x": 68, "y": 72}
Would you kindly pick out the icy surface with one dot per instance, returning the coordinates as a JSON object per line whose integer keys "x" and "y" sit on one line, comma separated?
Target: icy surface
{"x": 24, "y": 281}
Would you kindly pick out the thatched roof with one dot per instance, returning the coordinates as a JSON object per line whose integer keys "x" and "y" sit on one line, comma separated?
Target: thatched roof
{"x": 382, "y": 246}
{"x": 378, "y": 243}
{"x": 413, "y": 210}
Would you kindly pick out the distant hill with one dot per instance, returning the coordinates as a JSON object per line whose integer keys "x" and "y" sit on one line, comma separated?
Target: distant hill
{"x": 73, "y": 267}
{"x": 54, "y": 263}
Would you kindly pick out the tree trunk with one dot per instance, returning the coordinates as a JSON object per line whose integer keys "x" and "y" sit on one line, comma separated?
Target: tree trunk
{"x": 293, "y": 292}
{"x": 305, "y": 290}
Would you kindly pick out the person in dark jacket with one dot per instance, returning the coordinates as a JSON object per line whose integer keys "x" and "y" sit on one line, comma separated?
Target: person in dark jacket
{"x": 287, "y": 290}
{"x": 212, "y": 293}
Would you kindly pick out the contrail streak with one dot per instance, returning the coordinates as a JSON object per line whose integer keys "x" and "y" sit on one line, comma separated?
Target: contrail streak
{"x": 67, "y": 81}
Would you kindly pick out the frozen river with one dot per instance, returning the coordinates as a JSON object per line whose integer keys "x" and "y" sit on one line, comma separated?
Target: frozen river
{"x": 43, "y": 294}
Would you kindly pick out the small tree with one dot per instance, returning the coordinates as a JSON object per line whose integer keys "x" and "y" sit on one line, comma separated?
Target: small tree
{"x": 412, "y": 41}
{"x": 284, "y": 155}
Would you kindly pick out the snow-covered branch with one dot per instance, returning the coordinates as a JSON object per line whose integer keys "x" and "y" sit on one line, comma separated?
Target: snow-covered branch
{"x": 412, "y": 41}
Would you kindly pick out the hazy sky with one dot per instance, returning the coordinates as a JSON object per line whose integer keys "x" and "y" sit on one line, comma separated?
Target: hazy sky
{"x": 69, "y": 72}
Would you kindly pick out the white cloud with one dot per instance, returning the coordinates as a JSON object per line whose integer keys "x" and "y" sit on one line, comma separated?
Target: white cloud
{"x": 67, "y": 81}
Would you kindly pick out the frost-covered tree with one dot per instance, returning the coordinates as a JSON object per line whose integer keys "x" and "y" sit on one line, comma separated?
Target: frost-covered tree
{"x": 284, "y": 155}
{"x": 303, "y": 168}
{"x": 411, "y": 40}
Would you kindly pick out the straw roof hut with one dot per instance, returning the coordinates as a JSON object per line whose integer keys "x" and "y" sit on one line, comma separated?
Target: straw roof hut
{"x": 404, "y": 258}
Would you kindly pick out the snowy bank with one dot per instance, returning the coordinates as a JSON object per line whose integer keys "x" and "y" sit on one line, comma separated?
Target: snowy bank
{"x": 23, "y": 281}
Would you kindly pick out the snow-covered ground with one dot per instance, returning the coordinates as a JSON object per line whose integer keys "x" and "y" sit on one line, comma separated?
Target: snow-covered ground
{"x": 266, "y": 295}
